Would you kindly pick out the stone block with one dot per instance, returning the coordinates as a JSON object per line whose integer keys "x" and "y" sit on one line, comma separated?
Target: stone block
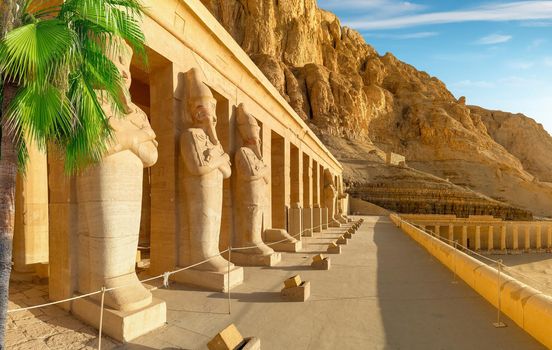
{"x": 122, "y": 326}
{"x": 323, "y": 264}
{"x": 333, "y": 248}
{"x": 252, "y": 343}
{"x": 299, "y": 293}
{"x": 228, "y": 339}
{"x": 342, "y": 240}
{"x": 292, "y": 282}
{"x": 215, "y": 281}
{"x": 281, "y": 241}
{"x": 318, "y": 257}
{"x": 244, "y": 259}
{"x": 348, "y": 235}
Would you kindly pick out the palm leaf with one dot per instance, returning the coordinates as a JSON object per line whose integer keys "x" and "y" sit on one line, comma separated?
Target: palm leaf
{"x": 36, "y": 51}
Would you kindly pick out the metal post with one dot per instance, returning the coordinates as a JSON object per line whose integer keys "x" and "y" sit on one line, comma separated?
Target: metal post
{"x": 101, "y": 320}
{"x": 229, "y": 256}
{"x": 498, "y": 323}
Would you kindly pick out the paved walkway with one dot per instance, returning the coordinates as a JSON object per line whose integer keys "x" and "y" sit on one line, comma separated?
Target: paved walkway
{"x": 383, "y": 292}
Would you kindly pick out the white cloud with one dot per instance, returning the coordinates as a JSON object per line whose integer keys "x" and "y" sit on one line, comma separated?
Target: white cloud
{"x": 478, "y": 83}
{"x": 405, "y": 36}
{"x": 536, "y": 43}
{"x": 494, "y": 39}
{"x": 512, "y": 11}
{"x": 521, "y": 65}
{"x": 377, "y": 8}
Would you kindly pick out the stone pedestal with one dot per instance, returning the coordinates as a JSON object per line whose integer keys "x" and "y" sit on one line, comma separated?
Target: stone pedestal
{"x": 325, "y": 218}
{"x": 299, "y": 293}
{"x": 333, "y": 248}
{"x": 295, "y": 221}
{"x": 317, "y": 219}
{"x": 323, "y": 264}
{"x": 285, "y": 243}
{"x": 122, "y": 326}
{"x": 215, "y": 281}
{"x": 244, "y": 259}
{"x": 342, "y": 240}
{"x": 307, "y": 222}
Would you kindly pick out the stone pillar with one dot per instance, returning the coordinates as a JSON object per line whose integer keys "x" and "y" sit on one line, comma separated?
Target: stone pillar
{"x": 325, "y": 218}
{"x": 295, "y": 220}
{"x": 164, "y": 114}
{"x": 307, "y": 196}
{"x": 538, "y": 238}
{"x": 30, "y": 241}
{"x": 317, "y": 218}
{"x": 549, "y": 237}
{"x": 296, "y": 175}
{"x": 527, "y": 238}
{"x": 515, "y": 238}
{"x": 464, "y": 241}
{"x": 490, "y": 239}
{"x": 477, "y": 238}
{"x": 281, "y": 198}
{"x": 316, "y": 193}
{"x": 451, "y": 233}
{"x": 63, "y": 231}
{"x": 503, "y": 238}
{"x": 437, "y": 231}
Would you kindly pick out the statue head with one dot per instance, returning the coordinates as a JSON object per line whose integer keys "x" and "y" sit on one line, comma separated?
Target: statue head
{"x": 249, "y": 130}
{"x": 201, "y": 105}
{"x": 121, "y": 56}
{"x": 328, "y": 177}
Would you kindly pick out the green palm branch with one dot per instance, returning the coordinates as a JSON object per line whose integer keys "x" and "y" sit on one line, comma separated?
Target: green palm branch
{"x": 59, "y": 59}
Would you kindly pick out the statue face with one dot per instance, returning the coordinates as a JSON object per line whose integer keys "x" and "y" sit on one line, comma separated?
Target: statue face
{"x": 123, "y": 64}
{"x": 205, "y": 114}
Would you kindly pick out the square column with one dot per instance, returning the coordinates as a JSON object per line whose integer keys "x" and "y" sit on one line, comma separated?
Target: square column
{"x": 464, "y": 241}
{"x": 451, "y": 233}
{"x": 490, "y": 239}
{"x": 549, "y": 238}
{"x": 281, "y": 194}
{"x": 515, "y": 238}
{"x": 295, "y": 221}
{"x": 296, "y": 175}
{"x": 503, "y": 238}
{"x": 538, "y": 238}
{"x": 527, "y": 238}
{"x": 477, "y": 238}
{"x": 307, "y": 196}
{"x": 324, "y": 218}
{"x": 30, "y": 240}
{"x": 437, "y": 231}
{"x": 317, "y": 218}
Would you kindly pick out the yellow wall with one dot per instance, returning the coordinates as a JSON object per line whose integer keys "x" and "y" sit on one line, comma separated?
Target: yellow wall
{"x": 529, "y": 308}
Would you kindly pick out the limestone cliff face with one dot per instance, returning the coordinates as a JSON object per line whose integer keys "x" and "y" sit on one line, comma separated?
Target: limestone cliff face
{"x": 362, "y": 104}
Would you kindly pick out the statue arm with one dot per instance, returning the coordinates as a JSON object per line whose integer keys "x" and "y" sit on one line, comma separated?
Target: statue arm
{"x": 247, "y": 168}
{"x": 190, "y": 155}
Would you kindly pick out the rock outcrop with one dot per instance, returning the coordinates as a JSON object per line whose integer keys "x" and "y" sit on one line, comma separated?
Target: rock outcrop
{"x": 362, "y": 105}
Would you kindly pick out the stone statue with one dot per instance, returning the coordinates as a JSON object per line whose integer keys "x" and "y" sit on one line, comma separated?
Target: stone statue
{"x": 206, "y": 165}
{"x": 252, "y": 179}
{"x": 110, "y": 203}
{"x": 330, "y": 197}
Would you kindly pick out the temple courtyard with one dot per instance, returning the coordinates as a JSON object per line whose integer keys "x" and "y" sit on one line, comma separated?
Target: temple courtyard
{"x": 382, "y": 292}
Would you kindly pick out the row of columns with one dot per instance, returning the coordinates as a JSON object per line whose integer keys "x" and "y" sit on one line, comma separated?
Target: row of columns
{"x": 502, "y": 236}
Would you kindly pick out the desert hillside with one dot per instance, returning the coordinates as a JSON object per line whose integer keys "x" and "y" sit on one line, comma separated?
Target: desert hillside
{"x": 363, "y": 104}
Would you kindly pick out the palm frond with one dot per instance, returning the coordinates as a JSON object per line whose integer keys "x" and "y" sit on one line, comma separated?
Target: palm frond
{"x": 32, "y": 52}
{"x": 89, "y": 140}
{"x": 41, "y": 113}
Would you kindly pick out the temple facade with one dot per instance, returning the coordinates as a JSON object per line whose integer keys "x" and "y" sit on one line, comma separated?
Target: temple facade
{"x": 209, "y": 157}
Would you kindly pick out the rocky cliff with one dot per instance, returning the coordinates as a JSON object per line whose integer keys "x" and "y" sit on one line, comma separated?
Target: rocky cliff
{"x": 362, "y": 105}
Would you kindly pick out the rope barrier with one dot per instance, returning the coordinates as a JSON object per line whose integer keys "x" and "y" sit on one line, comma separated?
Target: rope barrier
{"x": 546, "y": 286}
{"x": 165, "y": 276}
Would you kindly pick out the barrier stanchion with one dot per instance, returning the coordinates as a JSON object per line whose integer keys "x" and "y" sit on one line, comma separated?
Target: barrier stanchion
{"x": 101, "y": 320}
{"x": 229, "y": 301}
{"x": 498, "y": 323}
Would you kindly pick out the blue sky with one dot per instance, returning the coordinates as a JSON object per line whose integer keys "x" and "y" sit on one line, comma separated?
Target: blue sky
{"x": 497, "y": 54}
